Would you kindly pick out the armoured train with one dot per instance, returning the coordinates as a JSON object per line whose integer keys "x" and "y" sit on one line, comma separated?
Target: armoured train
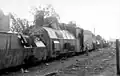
{"x": 42, "y": 44}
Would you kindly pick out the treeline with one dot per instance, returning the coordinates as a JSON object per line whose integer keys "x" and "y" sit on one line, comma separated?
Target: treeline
{"x": 43, "y": 16}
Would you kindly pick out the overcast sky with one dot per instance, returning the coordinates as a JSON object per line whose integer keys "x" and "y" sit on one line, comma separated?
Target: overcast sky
{"x": 103, "y": 15}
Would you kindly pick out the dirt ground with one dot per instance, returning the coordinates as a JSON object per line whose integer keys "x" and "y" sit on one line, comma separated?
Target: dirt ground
{"x": 97, "y": 63}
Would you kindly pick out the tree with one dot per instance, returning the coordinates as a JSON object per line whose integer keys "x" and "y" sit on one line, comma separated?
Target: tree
{"x": 44, "y": 15}
{"x": 18, "y": 25}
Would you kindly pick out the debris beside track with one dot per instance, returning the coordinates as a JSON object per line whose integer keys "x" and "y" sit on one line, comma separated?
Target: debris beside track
{"x": 90, "y": 67}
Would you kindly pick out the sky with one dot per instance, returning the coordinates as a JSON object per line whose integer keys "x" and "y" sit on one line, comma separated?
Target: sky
{"x": 103, "y": 15}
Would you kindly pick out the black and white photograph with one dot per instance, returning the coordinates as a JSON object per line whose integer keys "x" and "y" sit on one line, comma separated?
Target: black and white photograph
{"x": 59, "y": 37}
